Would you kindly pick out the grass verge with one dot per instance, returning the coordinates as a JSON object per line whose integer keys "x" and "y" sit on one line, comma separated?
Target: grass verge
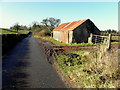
{"x": 49, "y": 39}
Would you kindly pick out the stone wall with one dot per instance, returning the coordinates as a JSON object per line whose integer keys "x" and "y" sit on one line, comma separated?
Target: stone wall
{"x": 9, "y": 41}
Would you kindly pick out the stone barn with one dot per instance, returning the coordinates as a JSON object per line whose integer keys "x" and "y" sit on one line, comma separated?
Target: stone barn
{"x": 75, "y": 32}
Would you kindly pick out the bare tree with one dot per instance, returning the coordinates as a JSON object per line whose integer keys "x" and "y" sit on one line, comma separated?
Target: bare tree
{"x": 16, "y": 26}
{"x": 51, "y": 23}
{"x": 35, "y": 27}
{"x": 45, "y": 22}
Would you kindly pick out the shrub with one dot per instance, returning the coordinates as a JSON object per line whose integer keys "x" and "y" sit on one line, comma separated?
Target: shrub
{"x": 44, "y": 33}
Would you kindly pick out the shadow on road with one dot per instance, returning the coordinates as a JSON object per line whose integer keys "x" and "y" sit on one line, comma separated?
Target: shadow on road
{"x": 26, "y": 66}
{"x": 13, "y": 64}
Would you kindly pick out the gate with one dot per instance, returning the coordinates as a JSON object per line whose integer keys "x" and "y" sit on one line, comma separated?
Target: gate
{"x": 98, "y": 39}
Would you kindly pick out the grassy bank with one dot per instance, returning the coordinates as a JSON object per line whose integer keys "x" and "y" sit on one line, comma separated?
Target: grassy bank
{"x": 49, "y": 39}
{"x": 90, "y": 69}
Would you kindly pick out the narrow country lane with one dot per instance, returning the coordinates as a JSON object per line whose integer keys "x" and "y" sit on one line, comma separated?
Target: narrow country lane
{"x": 25, "y": 66}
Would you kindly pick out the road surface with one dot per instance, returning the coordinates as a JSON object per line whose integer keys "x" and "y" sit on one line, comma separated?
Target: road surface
{"x": 25, "y": 66}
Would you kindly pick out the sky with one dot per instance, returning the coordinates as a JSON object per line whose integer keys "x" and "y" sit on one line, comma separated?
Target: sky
{"x": 60, "y": 0}
{"x": 103, "y": 14}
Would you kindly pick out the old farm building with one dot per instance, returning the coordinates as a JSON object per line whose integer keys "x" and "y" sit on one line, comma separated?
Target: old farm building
{"x": 75, "y": 32}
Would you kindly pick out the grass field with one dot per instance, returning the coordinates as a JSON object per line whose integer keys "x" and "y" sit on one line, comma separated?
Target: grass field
{"x": 11, "y": 31}
{"x": 115, "y": 38}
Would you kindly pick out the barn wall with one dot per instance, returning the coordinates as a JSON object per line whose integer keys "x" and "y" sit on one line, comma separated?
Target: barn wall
{"x": 92, "y": 28}
{"x": 65, "y": 37}
{"x": 80, "y": 34}
{"x": 57, "y": 35}
{"x": 96, "y": 31}
{"x": 70, "y": 36}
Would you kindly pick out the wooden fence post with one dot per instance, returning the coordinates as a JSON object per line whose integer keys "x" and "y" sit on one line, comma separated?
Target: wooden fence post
{"x": 109, "y": 42}
{"x": 90, "y": 38}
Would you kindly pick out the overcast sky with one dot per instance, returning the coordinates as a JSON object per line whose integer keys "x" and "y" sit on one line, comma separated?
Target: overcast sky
{"x": 103, "y": 14}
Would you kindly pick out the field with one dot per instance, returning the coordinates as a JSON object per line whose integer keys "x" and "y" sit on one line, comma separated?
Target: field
{"x": 116, "y": 38}
{"x": 86, "y": 66}
{"x": 92, "y": 66}
{"x": 11, "y": 31}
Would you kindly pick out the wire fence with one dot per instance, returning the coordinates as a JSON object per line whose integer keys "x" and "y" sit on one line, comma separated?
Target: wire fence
{"x": 98, "y": 39}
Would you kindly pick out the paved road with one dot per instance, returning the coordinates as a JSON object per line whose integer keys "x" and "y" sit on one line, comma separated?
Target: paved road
{"x": 26, "y": 66}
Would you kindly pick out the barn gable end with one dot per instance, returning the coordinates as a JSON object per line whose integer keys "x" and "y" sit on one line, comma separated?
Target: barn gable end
{"x": 75, "y": 32}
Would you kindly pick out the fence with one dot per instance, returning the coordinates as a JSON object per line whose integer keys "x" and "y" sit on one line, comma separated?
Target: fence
{"x": 104, "y": 40}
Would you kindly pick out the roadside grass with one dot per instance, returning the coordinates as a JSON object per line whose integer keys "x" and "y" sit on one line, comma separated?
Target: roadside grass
{"x": 11, "y": 31}
{"x": 54, "y": 41}
{"x": 88, "y": 71}
{"x": 49, "y": 39}
{"x": 71, "y": 44}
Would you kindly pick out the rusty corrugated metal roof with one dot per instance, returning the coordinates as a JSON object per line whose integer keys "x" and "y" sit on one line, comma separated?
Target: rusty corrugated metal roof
{"x": 69, "y": 26}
